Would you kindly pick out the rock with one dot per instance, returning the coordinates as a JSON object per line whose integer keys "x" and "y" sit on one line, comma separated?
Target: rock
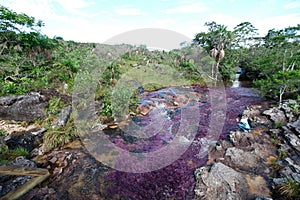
{"x": 290, "y": 107}
{"x": 290, "y": 170}
{"x": 26, "y": 107}
{"x": 144, "y": 109}
{"x": 294, "y": 166}
{"x": 275, "y": 131}
{"x": 242, "y": 159}
{"x": 242, "y": 138}
{"x": 9, "y": 183}
{"x": 258, "y": 186}
{"x": 220, "y": 182}
{"x": 42, "y": 194}
{"x": 27, "y": 140}
{"x": 295, "y": 126}
{"x": 263, "y": 198}
{"x": 21, "y": 161}
{"x": 276, "y": 115}
{"x": 63, "y": 117}
{"x": 293, "y": 140}
{"x": 9, "y": 127}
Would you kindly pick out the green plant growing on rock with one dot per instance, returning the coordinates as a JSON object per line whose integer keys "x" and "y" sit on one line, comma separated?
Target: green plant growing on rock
{"x": 282, "y": 154}
{"x": 275, "y": 165}
{"x": 122, "y": 99}
{"x": 55, "y": 105}
{"x": 59, "y": 136}
{"x": 2, "y": 133}
{"x": 295, "y": 108}
{"x": 278, "y": 125}
{"x": 289, "y": 189}
{"x": 8, "y": 155}
{"x": 274, "y": 139}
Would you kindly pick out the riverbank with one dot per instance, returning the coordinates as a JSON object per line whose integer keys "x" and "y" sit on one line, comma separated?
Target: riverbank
{"x": 260, "y": 164}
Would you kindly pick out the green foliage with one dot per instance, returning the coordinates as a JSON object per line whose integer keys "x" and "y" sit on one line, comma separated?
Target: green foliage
{"x": 236, "y": 44}
{"x": 278, "y": 125}
{"x": 277, "y": 59}
{"x": 275, "y": 165}
{"x": 289, "y": 189}
{"x": 55, "y": 105}
{"x": 107, "y": 111}
{"x": 2, "y": 132}
{"x": 282, "y": 154}
{"x": 59, "y": 136}
{"x": 11, "y": 21}
{"x": 281, "y": 83}
{"x": 7, "y": 155}
{"x": 122, "y": 98}
{"x": 216, "y": 33}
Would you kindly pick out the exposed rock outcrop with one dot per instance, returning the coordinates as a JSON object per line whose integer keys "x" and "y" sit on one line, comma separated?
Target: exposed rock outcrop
{"x": 23, "y": 107}
{"x": 220, "y": 182}
{"x": 266, "y": 159}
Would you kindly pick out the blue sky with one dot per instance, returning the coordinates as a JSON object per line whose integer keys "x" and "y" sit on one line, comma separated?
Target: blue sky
{"x": 99, "y": 20}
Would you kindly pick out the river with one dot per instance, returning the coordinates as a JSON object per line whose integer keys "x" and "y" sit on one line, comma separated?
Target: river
{"x": 193, "y": 117}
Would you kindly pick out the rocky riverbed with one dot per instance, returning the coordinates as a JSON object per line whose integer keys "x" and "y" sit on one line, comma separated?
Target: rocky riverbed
{"x": 260, "y": 164}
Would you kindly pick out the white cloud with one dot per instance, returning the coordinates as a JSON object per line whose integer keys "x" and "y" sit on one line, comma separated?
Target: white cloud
{"x": 38, "y": 9}
{"x": 128, "y": 11}
{"x": 277, "y": 22}
{"x": 191, "y": 8}
{"x": 74, "y": 4}
{"x": 292, "y": 5}
{"x": 75, "y": 7}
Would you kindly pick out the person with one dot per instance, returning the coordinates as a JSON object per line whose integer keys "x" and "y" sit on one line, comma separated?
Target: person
{"x": 243, "y": 123}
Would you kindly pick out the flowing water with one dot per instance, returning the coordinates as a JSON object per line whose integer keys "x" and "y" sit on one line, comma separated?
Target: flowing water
{"x": 164, "y": 121}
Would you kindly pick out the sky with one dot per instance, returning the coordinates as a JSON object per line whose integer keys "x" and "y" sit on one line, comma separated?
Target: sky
{"x": 100, "y": 20}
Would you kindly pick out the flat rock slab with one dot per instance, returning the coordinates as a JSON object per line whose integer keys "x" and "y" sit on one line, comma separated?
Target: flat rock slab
{"x": 23, "y": 107}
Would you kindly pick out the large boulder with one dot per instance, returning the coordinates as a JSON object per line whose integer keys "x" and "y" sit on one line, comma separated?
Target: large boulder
{"x": 276, "y": 115}
{"x": 26, "y": 107}
{"x": 220, "y": 182}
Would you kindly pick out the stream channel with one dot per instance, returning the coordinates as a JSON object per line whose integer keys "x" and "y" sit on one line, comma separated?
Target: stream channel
{"x": 157, "y": 151}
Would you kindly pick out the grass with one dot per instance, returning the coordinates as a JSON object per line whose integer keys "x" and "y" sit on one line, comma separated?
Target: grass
{"x": 289, "y": 189}
{"x": 8, "y": 155}
{"x": 278, "y": 125}
{"x": 276, "y": 166}
{"x": 55, "y": 137}
{"x": 282, "y": 154}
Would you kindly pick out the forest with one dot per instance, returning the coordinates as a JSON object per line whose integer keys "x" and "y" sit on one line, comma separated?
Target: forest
{"x": 31, "y": 60}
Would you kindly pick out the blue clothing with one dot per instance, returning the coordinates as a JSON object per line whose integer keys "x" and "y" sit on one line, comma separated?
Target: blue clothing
{"x": 244, "y": 125}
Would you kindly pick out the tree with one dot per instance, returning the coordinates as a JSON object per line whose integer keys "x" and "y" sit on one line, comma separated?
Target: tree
{"x": 214, "y": 42}
{"x": 216, "y": 35}
{"x": 20, "y": 30}
{"x": 12, "y": 21}
{"x": 279, "y": 64}
{"x": 244, "y": 35}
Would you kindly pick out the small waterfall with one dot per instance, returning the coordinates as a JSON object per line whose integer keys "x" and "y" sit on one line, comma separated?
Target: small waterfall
{"x": 236, "y": 83}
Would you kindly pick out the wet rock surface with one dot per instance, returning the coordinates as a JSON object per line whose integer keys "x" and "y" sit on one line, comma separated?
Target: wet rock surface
{"x": 238, "y": 166}
{"x": 75, "y": 175}
{"x": 9, "y": 183}
{"x": 266, "y": 157}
